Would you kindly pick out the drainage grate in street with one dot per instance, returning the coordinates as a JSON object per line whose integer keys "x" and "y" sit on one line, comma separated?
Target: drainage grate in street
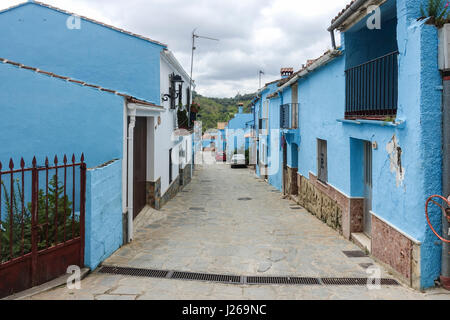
{"x": 148, "y": 273}
{"x": 357, "y": 282}
{"x": 206, "y": 277}
{"x": 196, "y": 209}
{"x": 283, "y": 280}
{"x": 233, "y": 279}
{"x": 245, "y": 199}
{"x": 354, "y": 254}
{"x": 296, "y": 208}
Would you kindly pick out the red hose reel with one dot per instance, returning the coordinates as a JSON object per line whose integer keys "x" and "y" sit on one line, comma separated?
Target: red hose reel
{"x": 447, "y": 213}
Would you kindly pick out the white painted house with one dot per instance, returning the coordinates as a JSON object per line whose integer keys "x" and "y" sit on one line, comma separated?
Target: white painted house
{"x": 153, "y": 137}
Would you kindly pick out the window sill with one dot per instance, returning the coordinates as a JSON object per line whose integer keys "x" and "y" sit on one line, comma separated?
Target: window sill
{"x": 400, "y": 124}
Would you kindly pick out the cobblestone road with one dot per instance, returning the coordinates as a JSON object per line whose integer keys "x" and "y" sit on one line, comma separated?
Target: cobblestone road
{"x": 228, "y": 221}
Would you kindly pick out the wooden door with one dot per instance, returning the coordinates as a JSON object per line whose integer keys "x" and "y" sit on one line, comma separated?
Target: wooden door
{"x": 140, "y": 165}
{"x": 367, "y": 188}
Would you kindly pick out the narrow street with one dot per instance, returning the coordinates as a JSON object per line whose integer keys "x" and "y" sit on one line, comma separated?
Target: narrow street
{"x": 227, "y": 221}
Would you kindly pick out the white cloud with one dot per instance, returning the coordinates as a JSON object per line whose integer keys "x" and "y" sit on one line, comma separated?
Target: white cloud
{"x": 254, "y": 34}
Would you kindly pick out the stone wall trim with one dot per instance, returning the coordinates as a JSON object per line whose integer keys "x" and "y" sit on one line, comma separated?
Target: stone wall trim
{"x": 396, "y": 228}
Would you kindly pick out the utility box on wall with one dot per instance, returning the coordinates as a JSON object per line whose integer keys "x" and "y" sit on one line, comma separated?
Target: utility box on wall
{"x": 444, "y": 48}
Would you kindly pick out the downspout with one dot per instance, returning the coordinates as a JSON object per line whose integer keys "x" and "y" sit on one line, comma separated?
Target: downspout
{"x": 132, "y": 114}
{"x": 445, "y": 274}
{"x": 347, "y": 13}
{"x": 333, "y": 40}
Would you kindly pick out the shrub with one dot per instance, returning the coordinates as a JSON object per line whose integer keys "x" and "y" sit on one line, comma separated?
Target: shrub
{"x": 63, "y": 216}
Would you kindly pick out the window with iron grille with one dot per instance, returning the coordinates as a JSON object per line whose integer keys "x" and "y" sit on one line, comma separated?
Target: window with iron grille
{"x": 322, "y": 162}
{"x": 172, "y": 92}
{"x": 372, "y": 88}
{"x": 284, "y": 116}
{"x": 180, "y": 97}
{"x": 188, "y": 97}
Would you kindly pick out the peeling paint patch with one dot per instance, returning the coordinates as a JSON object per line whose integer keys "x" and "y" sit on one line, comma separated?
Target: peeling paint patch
{"x": 395, "y": 158}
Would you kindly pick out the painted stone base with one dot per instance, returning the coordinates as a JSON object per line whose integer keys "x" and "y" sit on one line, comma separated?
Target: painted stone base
{"x": 185, "y": 175}
{"x": 396, "y": 251}
{"x": 171, "y": 192}
{"x": 154, "y": 194}
{"x": 330, "y": 205}
{"x": 291, "y": 181}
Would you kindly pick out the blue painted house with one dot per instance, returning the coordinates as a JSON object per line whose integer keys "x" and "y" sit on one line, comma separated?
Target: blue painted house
{"x": 238, "y": 132}
{"x": 260, "y": 105}
{"x": 101, "y": 90}
{"x": 356, "y": 135}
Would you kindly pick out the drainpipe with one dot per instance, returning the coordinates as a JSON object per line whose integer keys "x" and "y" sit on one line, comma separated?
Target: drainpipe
{"x": 347, "y": 13}
{"x": 132, "y": 114}
{"x": 445, "y": 275}
{"x": 333, "y": 40}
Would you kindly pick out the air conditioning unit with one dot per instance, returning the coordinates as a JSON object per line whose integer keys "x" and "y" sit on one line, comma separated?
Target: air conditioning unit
{"x": 444, "y": 48}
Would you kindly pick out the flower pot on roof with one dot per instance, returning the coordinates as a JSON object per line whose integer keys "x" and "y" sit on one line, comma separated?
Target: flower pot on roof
{"x": 436, "y": 12}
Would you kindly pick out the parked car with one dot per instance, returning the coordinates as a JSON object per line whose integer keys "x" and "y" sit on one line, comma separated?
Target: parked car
{"x": 221, "y": 156}
{"x": 238, "y": 160}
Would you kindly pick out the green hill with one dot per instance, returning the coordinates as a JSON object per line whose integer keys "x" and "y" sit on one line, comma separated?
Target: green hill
{"x": 214, "y": 110}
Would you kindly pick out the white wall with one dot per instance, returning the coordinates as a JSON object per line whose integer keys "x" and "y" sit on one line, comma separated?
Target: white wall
{"x": 163, "y": 138}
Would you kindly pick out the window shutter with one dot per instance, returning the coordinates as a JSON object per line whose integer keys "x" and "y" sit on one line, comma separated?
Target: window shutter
{"x": 188, "y": 97}
{"x": 322, "y": 161}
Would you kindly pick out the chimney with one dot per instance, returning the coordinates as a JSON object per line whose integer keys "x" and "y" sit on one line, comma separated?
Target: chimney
{"x": 241, "y": 107}
{"x": 286, "y": 72}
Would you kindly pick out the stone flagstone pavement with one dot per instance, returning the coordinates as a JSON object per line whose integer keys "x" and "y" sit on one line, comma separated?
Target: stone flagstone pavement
{"x": 228, "y": 221}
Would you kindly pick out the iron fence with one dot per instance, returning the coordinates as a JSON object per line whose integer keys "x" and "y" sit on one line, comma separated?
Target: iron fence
{"x": 42, "y": 213}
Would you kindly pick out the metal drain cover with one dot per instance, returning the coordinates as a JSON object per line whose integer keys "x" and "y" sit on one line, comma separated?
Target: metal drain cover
{"x": 234, "y": 279}
{"x": 357, "y": 282}
{"x": 148, "y": 273}
{"x": 283, "y": 280}
{"x": 206, "y": 277}
{"x": 196, "y": 209}
{"x": 245, "y": 199}
{"x": 355, "y": 254}
{"x": 296, "y": 208}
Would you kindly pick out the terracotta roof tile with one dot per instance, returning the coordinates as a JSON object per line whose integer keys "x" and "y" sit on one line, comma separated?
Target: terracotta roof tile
{"x": 342, "y": 11}
{"x": 305, "y": 66}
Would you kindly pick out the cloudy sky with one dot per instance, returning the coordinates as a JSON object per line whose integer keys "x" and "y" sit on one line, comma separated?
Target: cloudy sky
{"x": 254, "y": 34}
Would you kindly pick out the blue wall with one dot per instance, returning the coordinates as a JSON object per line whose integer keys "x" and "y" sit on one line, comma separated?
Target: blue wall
{"x": 363, "y": 44}
{"x": 38, "y": 37}
{"x": 236, "y": 130}
{"x": 104, "y": 229}
{"x": 43, "y": 116}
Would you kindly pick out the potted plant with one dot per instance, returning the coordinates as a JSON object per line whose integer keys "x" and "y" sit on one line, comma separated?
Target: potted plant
{"x": 436, "y": 12}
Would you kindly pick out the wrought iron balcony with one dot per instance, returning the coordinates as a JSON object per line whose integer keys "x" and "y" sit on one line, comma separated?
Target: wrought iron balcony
{"x": 372, "y": 89}
{"x": 289, "y": 116}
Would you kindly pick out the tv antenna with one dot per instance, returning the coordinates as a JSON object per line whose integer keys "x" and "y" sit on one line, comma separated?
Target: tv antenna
{"x": 195, "y": 36}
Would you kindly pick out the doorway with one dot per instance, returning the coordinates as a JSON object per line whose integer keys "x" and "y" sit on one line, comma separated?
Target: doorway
{"x": 139, "y": 165}
{"x": 367, "y": 188}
